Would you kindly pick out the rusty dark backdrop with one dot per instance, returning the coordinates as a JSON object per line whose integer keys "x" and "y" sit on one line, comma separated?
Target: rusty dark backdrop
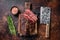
{"x": 5, "y": 6}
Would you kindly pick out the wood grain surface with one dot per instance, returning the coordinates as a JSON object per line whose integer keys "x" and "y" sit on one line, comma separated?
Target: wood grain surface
{"x": 5, "y": 6}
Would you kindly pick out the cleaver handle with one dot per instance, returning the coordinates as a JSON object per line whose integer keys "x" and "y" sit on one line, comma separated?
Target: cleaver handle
{"x": 47, "y": 31}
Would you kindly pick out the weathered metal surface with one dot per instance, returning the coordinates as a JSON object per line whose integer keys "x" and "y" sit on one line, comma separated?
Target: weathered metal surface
{"x": 45, "y": 15}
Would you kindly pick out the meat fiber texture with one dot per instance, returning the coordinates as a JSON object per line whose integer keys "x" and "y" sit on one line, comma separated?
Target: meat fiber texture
{"x": 28, "y": 14}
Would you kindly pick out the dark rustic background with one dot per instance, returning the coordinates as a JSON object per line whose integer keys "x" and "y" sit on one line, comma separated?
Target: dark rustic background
{"x": 5, "y": 6}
